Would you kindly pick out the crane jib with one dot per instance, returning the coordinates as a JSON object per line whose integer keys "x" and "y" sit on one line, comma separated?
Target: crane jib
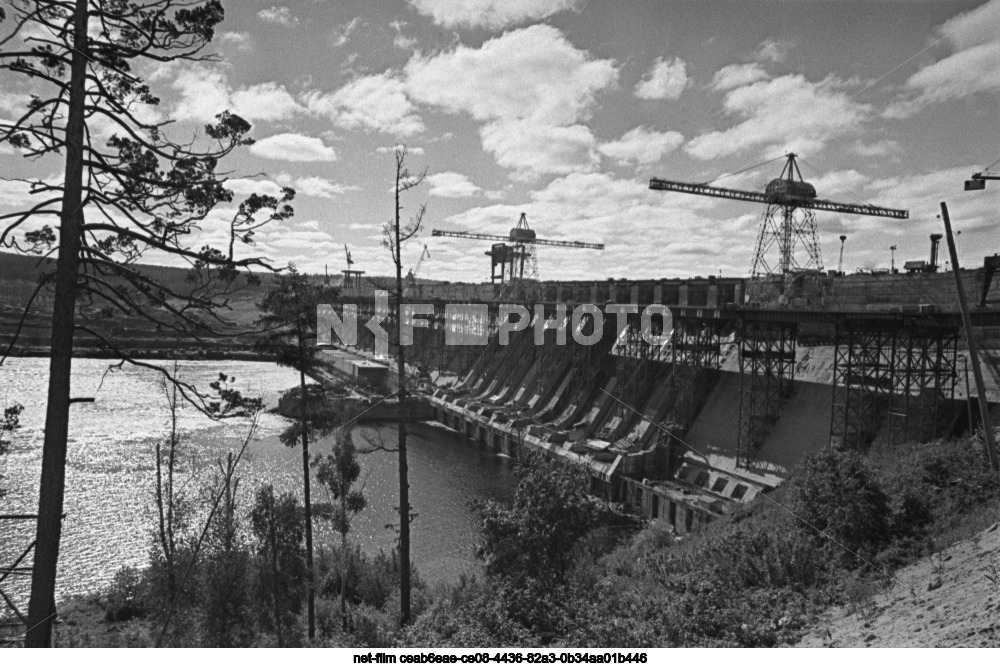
{"x": 760, "y": 197}
{"x": 506, "y": 239}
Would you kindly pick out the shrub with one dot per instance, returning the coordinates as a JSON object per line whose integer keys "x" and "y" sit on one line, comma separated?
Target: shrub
{"x": 125, "y": 599}
{"x": 836, "y": 496}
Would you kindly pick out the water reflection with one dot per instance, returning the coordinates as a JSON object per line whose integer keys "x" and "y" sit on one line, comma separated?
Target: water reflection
{"x": 109, "y": 475}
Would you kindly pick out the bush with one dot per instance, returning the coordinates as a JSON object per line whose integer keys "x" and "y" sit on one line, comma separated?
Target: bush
{"x": 125, "y": 599}
{"x": 836, "y": 496}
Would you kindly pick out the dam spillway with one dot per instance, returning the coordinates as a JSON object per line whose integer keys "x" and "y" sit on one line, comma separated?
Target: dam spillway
{"x": 689, "y": 430}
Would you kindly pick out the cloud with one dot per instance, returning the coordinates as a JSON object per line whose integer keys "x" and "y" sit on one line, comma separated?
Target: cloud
{"x": 773, "y": 50}
{"x": 452, "y": 184}
{"x": 532, "y": 150}
{"x": 734, "y": 76}
{"x": 378, "y": 102}
{"x": 317, "y": 186}
{"x": 885, "y": 147}
{"x": 280, "y": 15}
{"x": 494, "y": 14}
{"x": 642, "y": 146}
{"x": 205, "y": 92}
{"x": 788, "y": 112}
{"x": 343, "y": 33}
{"x": 388, "y": 150}
{"x": 530, "y": 88}
{"x": 249, "y": 186}
{"x": 974, "y": 37}
{"x": 665, "y": 81}
{"x": 294, "y": 148}
{"x": 265, "y": 101}
{"x": 310, "y": 186}
{"x": 239, "y": 39}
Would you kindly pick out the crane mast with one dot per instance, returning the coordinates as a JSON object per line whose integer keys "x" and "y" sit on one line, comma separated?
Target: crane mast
{"x": 788, "y": 220}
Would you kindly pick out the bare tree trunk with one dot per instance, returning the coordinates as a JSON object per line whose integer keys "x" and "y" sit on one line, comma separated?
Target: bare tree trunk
{"x": 404, "y": 483}
{"x": 41, "y": 608}
{"x": 343, "y": 565}
{"x": 311, "y": 594}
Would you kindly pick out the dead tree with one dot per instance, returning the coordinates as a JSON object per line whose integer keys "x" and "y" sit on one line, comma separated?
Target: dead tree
{"x": 395, "y": 234}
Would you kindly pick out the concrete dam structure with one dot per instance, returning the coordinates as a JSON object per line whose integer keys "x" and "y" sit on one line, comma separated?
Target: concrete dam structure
{"x": 688, "y": 430}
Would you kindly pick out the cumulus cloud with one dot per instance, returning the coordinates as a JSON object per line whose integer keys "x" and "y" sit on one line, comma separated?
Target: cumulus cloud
{"x": 529, "y": 88}
{"x": 734, "y": 76}
{"x": 494, "y": 14}
{"x": 280, "y": 15}
{"x": 317, "y": 186}
{"x": 205, "y": 92}
{"x": 974, "y": 38}
{"x": 452, "y": 184}
{"x": 665, "y": 81}
{"x": 377, "y": 102}
{"x": 294, "y": 147}
{"x": 787, "y": 112}
{"x": 531, "y": 150}
{"x": 642, "y": 146}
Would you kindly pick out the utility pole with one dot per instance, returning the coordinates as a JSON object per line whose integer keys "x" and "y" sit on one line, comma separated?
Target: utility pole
{"x": 977, "y": 370}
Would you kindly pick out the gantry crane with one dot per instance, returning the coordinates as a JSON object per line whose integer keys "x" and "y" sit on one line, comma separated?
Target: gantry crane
{"x": 783, "y": 196}
{"x": 516, "y": 251}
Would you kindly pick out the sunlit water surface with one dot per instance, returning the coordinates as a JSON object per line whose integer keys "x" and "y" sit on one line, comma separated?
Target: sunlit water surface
{"x": 110, "y": 470}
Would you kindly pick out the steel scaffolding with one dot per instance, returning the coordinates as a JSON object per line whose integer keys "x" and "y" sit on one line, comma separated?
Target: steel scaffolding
{"x": 923, "y": 379}
{"x": 767, "y": 369}
{"x": 893, "y": 376}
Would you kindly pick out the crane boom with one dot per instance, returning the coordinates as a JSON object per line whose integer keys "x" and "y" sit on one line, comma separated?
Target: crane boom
{"x": 497, "y": 237}
{"x": 764, "y": 198}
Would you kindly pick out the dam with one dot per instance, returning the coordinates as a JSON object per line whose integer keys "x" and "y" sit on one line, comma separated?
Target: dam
{"x": 688, "y": 431}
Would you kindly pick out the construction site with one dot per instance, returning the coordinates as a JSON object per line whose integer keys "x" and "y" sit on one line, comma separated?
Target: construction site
{"x": 757, "y": 373}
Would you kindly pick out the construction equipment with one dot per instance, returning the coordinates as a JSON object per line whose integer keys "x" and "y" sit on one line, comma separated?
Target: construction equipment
{"x": 411, "y": 276}
{"x": 921, "y": 266}
{"x": 352, "y": 278}
{"x": 978, "y": 180}
{"x": 784, "y": 197}
{"x": 516, "y": 251}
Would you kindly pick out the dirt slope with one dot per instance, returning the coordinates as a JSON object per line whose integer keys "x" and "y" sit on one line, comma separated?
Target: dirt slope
{"x": 950, "y": 599}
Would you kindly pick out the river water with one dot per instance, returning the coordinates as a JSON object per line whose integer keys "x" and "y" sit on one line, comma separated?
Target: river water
{"x": 110, "y": 470}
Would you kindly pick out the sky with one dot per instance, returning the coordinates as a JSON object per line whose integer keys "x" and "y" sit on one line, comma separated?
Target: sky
{"x": 564, "y": 109}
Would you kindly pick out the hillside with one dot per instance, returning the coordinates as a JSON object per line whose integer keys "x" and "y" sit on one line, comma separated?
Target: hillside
{"x": 950, "y": 599}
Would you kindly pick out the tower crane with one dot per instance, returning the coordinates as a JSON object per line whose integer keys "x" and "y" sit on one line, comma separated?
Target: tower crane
{"x": 516, "y": 250}
{"x": 411, "y": 276}
{"x": 352, "y": 278}
{"x": 780, "y": 225}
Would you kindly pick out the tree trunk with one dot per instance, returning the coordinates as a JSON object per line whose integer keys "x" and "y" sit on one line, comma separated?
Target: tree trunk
{"x": 41, "y": 608}
{"x": 343, "y": 565}
{"x": 311, "y": 594}
{"x": 275, "y": 581}
{"x": 404, "y": 485}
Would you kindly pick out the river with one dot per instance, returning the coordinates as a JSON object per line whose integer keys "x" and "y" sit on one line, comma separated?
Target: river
{"x": 110, "y": 470}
